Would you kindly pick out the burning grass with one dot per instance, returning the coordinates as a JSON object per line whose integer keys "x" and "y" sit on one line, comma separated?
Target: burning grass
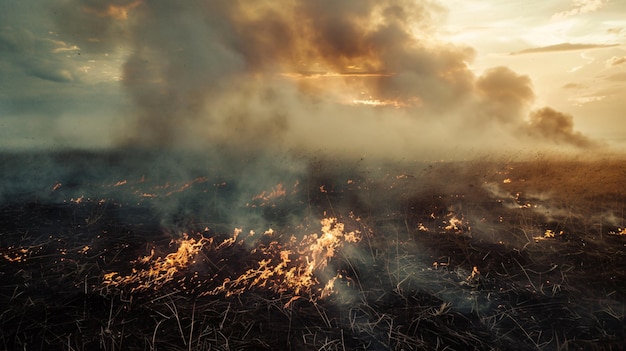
{"x": 480, "y": 255}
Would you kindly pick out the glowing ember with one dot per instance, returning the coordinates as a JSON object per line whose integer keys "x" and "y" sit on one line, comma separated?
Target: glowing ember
{"x": 474, "y": 275}
{"x": 267, "y": 197}
{"x": 456, "y": 225}
{"x": 18, "y": 255}
{"x": 619, "y": 231}
{"x": 549, "y": 234}
{"x": 277, "y": 191}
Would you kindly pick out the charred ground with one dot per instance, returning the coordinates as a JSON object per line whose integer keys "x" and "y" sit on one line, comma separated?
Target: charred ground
{"x": 485, "y": 255}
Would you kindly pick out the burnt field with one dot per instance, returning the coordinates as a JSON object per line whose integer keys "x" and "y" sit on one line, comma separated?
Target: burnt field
{"x": 167, "y": 251}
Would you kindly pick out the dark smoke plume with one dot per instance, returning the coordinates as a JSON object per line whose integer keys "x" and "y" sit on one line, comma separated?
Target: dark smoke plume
{"x": 547, "y": 123}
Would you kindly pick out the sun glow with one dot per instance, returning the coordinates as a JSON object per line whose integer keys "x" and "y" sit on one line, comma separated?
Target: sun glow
{"x": 118, "y": 12}
{"x": 376, "y": 102}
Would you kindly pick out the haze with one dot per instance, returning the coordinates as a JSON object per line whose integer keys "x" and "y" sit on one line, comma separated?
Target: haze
{"x": 384, "y": 79}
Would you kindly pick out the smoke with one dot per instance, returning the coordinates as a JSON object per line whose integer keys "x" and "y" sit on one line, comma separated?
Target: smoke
{"x": 506, "y": 95}
{"x": 366, "y": 78}
{"x": 258, "y": 88}
{"x": 547, "y": 123}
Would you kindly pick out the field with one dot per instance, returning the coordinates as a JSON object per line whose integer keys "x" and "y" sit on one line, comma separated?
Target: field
{"x": 170, "y": 251}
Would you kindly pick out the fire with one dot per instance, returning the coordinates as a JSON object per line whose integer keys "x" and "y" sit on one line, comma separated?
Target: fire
{"x": 185, "y": 186}
{"x": 296, "y": 266}
{"x": 17, "y": 255}
{"x": 267, "y": 197}
{"x": 549, "y": 234}
{"x": 456, "y": 225}
{"x": 278, "y": 191}
{"x": 422, "y": 228}
{"x": 160, "y": 270}
{"x": 293, "y": 266}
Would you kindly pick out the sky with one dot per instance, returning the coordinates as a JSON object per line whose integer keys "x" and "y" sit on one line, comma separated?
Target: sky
{"x": 390, "y": 78}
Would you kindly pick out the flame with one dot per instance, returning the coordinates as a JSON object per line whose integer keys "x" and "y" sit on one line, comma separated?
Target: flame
{"x": 278, "y": 191}
{"x": 475, "y": 273}
{"x": 295, "y": 266}
{"x": 456, "y": 225}
{"x": 549, "y": 234}
{"x": 166, "y": 189}
{"x": 619, "y": 231}
{"x": 264, "y": 198}
{"x": 186, "y": 185}
{"x": 421, "y": 227}
{"x": 161, "y": 270}
{"x": 17, "y": 255}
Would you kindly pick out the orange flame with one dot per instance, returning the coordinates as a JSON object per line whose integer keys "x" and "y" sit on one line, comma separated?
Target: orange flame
{"x": 292, "y": 267}
{"x": 161, "y": 270}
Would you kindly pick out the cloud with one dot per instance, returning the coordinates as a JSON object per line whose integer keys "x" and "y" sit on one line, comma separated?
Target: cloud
{"x": 95, "y": 26}
{"x": 573, "y": 86}
{"x": 580, "y": 7}
{"x": 562, "y": 47}
{"x": 35, "y": 56}
{"x": 615, "y": 61}
{"x": 47, "y": 98}
{"x": 617, "y": 77}
{"x": 615, "y": 30}
{"x": 354, "y": 77}
{"x": 27, "y": 50}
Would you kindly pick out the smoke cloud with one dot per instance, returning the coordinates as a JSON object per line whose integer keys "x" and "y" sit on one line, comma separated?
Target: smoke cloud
{"x": 506, "y": 96}
{"x": 556, "y": 126}
{"x": 355, "y": 77}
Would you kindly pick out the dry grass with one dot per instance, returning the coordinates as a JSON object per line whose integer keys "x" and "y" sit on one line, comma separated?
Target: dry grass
{"x": 465, "y": 256}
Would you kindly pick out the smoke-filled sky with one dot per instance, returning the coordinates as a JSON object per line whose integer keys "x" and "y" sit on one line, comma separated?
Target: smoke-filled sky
{"x": 400, "y": 78}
